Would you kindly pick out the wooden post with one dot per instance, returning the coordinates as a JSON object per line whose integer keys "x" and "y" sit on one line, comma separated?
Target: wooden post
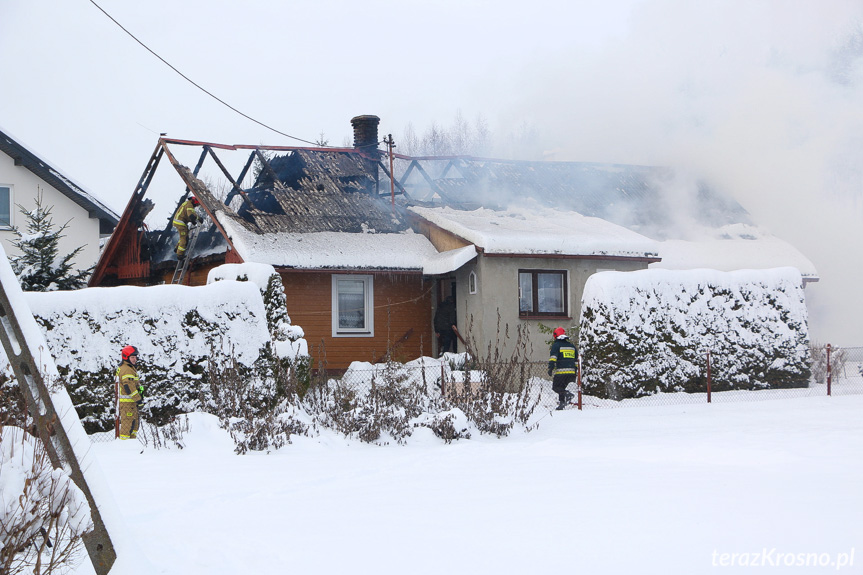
{"x": 579, "y": 384}
{"x": 708, "y": 376}
{"x": 829, "y": 370}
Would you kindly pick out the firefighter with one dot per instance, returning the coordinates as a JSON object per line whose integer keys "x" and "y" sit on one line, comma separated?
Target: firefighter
{"x": 444, "y": 320}
{"x": 562, "y": 364}
{"x": 130, "y": 392}
{"x": 185, "y": 217}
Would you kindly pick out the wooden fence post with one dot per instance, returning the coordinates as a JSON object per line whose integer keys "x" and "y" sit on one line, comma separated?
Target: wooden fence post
{"x": 708, "y": 376}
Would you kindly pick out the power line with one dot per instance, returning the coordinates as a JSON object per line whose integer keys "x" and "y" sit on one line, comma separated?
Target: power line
{"x": 195, "y": 84}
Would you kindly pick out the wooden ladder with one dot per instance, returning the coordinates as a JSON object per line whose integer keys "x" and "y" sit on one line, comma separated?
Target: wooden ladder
{"x": 23, "y": 344}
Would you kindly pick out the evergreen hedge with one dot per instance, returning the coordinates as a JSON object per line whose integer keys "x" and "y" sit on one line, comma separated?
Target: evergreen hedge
{"x": 649, "y": 331}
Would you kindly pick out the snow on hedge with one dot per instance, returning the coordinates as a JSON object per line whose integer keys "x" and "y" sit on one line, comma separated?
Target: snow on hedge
{"x": 176, "y": 330}
{"x": 648, "y": 331}
{"x": 288, "y": 339}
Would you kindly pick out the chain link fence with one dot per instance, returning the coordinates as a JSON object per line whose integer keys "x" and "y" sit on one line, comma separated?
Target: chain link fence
{"x": 495, "y": 396}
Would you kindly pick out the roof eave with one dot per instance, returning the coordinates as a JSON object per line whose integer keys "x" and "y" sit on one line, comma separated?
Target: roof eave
{"x": 25, "y": 158}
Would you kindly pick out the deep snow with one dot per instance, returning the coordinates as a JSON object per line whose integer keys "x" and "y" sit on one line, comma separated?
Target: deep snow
{"x": 647, "y": 490}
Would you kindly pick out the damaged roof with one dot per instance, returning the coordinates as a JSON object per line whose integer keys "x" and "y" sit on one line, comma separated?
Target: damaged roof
{"x": 320, "y": 192}
{"x": 691, "y": 223}
{"x": 328, "y": 208}
{"x": 314, "y": 209}
{"x": 645, "y": 199}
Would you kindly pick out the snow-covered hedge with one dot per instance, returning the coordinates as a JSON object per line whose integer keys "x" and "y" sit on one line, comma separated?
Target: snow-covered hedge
{"x": 177, "y": 329}
{"x": 648, "y": 331}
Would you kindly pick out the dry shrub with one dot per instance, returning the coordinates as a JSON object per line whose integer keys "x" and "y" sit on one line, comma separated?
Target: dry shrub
{"x": 43, "y": 515}
{"x": 503, "y": 394}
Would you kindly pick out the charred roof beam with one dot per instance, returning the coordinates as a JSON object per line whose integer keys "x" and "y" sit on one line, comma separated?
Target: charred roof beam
{"x": 200, "y": 190}
{"x": 234, "y": 186}
{"x": 269, "y": 169}
{"x": 125, "y": 220}
{"x": 242, "y": 175}
{"x": 166, "y": 233}
{"x": 432, "y": 183}
{"x": 395, "y": 181}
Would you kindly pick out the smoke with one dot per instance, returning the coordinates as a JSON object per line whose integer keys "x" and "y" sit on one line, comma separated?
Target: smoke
{"x": 761, "y": 98}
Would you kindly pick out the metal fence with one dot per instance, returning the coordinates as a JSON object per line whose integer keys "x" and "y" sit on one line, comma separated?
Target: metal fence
{"x": 523, "y": 390}
{"x": 836, "y": 371}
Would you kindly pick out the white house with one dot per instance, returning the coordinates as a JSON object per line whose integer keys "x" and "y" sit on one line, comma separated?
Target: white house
{"x": 24, "y": 175}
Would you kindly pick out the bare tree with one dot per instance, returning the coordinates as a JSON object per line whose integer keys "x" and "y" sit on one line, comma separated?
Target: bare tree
{"x": 410, "y": 143}
{"x": 435, "y": 141}
{"x": 461, "y": 138}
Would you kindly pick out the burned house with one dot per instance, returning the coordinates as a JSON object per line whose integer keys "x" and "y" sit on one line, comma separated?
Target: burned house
{"x": 365, "y": 257}
{"x": 350, "y": 261}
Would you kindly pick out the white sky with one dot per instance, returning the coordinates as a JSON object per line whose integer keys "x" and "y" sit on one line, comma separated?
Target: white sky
{"x": 762, "y": 96}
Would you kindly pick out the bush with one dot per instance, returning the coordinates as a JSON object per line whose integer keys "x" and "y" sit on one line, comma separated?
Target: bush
{"x": 647, "y": 332}
{"x": 43, "y": 514}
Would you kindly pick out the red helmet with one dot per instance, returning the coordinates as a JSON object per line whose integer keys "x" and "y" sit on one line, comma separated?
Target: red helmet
{"x": 129, "y": 351}
{"x": 559, "y": 331}
{"x": 194, "y": 201}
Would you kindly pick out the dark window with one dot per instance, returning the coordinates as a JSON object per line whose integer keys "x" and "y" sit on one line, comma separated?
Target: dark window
{"x": 542, "y": 292}
{"x": 5, "y": 206}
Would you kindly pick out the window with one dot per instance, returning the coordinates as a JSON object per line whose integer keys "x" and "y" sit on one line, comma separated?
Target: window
{"x": 353, "y": 310}
{"x": 542, "y": 292}
{"x": 5, "y": 207}
{"x": 471, "y": 282}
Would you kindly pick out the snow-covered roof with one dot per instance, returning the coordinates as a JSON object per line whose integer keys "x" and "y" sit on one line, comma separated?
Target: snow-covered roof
{"x": 445, "y": 262}
{"x": 538, "y": 230}
{"x": 735, "y": 247}
{"x": 65, "y": 185}
{"x": 330, "y": 250}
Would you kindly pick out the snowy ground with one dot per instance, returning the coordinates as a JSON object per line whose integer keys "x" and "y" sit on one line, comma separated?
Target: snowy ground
{"x": 648, "y": 490}
{"x": 655, "y": 489}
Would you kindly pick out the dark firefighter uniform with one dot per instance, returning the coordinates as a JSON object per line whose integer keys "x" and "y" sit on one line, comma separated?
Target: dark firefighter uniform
{"x": 184, "y": 217}
{"x": 562, "y": 364}
{"x": 130, "y": 394}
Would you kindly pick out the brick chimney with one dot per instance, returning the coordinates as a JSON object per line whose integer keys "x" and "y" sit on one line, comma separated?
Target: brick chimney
{"x": 366, "y": 133}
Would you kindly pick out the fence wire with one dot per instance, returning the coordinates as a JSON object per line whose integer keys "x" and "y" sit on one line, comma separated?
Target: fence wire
{"x": 520, "y": 391}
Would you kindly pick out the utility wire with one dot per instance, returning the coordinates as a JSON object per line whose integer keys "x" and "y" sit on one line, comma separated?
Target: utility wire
{"x": 195, "y": 84}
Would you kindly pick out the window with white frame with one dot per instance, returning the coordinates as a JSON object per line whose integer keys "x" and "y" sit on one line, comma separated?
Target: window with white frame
{"x": 471, "y": 283}
{"x": 542, "y": 293}
{"x": 353, "y": 309}
{"x": 5, "y": 206}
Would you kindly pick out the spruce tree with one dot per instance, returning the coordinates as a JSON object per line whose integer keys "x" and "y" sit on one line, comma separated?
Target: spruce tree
{"x": 40, "y": 267}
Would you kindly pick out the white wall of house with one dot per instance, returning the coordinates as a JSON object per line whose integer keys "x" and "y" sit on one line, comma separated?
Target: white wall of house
{"x": 497, "y": 291}
{"x": 24, "y": 186}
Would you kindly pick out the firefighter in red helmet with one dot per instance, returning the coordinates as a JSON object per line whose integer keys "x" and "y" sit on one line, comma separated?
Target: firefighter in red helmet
{"x": 130, "y": 393}
{"x": 562, "y": 365}
{"x": 185, "y": 217}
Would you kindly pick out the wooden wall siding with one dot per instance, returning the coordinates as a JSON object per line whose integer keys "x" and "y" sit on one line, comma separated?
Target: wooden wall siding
{"x": 407, "y": 298}
{"x": 194, "y": 277}
{"x": 441, "y": 239}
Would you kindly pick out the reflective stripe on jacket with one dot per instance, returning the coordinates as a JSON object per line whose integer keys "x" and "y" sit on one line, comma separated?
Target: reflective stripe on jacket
{"x": 564, "y": 356}
{"x": 127, "y": 376}
{"x": 185, "y": 214}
